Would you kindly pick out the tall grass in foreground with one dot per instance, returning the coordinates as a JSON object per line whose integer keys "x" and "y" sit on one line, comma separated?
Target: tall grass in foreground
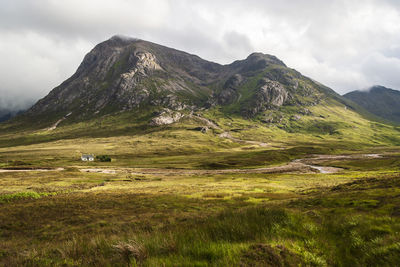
{"x": 255, "y": 236}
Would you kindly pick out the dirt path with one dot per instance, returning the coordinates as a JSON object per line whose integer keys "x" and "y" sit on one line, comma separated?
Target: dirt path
{"x": 314, "y": 160}
{"x": 58, "y": 122}
{"x": 31, "y": 170}
{"x": 251, "y": 142}
{"x": 291, "y": 167}
{"x": 320, "y": 169}
{"x": 208, "y": 123}
{"x": 99, "y": 170}
{"x": 239, "y": 97}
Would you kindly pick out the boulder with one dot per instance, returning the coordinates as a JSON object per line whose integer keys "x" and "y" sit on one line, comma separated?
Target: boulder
{"x": 166, "y": 117}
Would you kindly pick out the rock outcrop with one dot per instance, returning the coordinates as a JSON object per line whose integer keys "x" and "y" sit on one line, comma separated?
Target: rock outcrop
{"x": 229, "y": 92}
{"x": 166, "y": 117}
{"x": 123, "y": 74}
{"x": 270, "y": 94}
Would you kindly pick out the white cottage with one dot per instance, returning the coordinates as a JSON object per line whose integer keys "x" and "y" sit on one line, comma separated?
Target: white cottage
{"x": 87, "y": 157}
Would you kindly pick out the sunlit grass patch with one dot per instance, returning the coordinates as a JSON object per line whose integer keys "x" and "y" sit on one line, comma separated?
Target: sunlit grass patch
{"x": 168, "y": 199}
{"x": 23, "y": 195}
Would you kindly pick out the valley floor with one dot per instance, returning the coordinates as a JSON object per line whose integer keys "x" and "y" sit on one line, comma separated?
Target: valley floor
{"x": 311, "y": 180}
{"x": 326, "y": 210}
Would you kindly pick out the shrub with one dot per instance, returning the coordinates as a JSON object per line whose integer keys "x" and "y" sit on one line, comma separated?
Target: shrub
{"x": 103, "y": 158}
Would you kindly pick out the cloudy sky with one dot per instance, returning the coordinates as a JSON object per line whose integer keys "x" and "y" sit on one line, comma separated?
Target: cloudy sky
{"x": 345, "y": 44}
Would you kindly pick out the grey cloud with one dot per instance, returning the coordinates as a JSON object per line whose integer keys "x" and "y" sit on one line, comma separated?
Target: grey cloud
{"x": 382, "y": 70}
{"x": 237, "y": 42}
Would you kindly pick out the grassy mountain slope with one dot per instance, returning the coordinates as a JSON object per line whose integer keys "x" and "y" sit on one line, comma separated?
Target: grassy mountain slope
{"x": 325, "y": 129}
{"x": 381, "y": 101}
{"x": 211, "y": 165}
{"x": 128, "y": 87}
{"x": 254, "y": 112}
{"x": 123, "y": 74}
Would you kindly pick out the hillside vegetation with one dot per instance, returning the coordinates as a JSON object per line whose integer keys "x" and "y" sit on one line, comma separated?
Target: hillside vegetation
{"x": 381, "y": 101}
{"x": 142, "y": 209}
{"x": 196, "y": 164}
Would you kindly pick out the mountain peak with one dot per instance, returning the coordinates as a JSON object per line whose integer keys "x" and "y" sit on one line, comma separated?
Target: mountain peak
{"x": 270, "y": 59}
{"x": 379, "y": 100}
{"x": 124, "y": 73}
{"x": 116, "y": 41}
{"x": 380, "y": 88}
{"x": 120, "y": 37}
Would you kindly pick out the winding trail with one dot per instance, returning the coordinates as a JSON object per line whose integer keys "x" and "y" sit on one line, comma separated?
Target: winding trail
{"x": 239, "y": 97}
{"x": 30, "y": 170}
{"x": 58, "y": 122}
{"x": 313, "y": 161}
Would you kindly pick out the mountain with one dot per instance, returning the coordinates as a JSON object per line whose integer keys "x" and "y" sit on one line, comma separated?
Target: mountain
{"x": 131, "y": 87}
{"x": 124, "y": 74}
{"x": 7, "y": 114}
{"x": 378, "y": 100}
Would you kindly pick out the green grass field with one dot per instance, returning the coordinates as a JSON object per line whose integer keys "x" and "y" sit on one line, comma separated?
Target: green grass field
{"x": 173, "y": 196}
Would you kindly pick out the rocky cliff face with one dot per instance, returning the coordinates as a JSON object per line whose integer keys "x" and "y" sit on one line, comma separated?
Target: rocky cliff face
{"x": 125, "y": 74}
{"x": 269, "y": 95}
{"x": 229, "y": 92}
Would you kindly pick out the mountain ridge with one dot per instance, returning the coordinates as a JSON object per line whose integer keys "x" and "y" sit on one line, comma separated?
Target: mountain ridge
{"x": 126, "y": 73}
{"x": 378, "y": 100}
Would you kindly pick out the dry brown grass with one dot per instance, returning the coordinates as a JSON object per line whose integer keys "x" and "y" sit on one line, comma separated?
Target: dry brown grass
{"x": 132, "y": 250}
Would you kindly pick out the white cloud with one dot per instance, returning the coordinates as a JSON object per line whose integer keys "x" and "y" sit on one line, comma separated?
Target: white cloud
{"x": 32, "y": 64}
{"x": 345, "y": 44}
{"x": 382, "y": 70}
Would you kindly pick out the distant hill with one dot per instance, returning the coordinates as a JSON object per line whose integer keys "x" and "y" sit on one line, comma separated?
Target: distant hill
{"x": 6, "y": 114}
{"x": 379, "y": 100}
